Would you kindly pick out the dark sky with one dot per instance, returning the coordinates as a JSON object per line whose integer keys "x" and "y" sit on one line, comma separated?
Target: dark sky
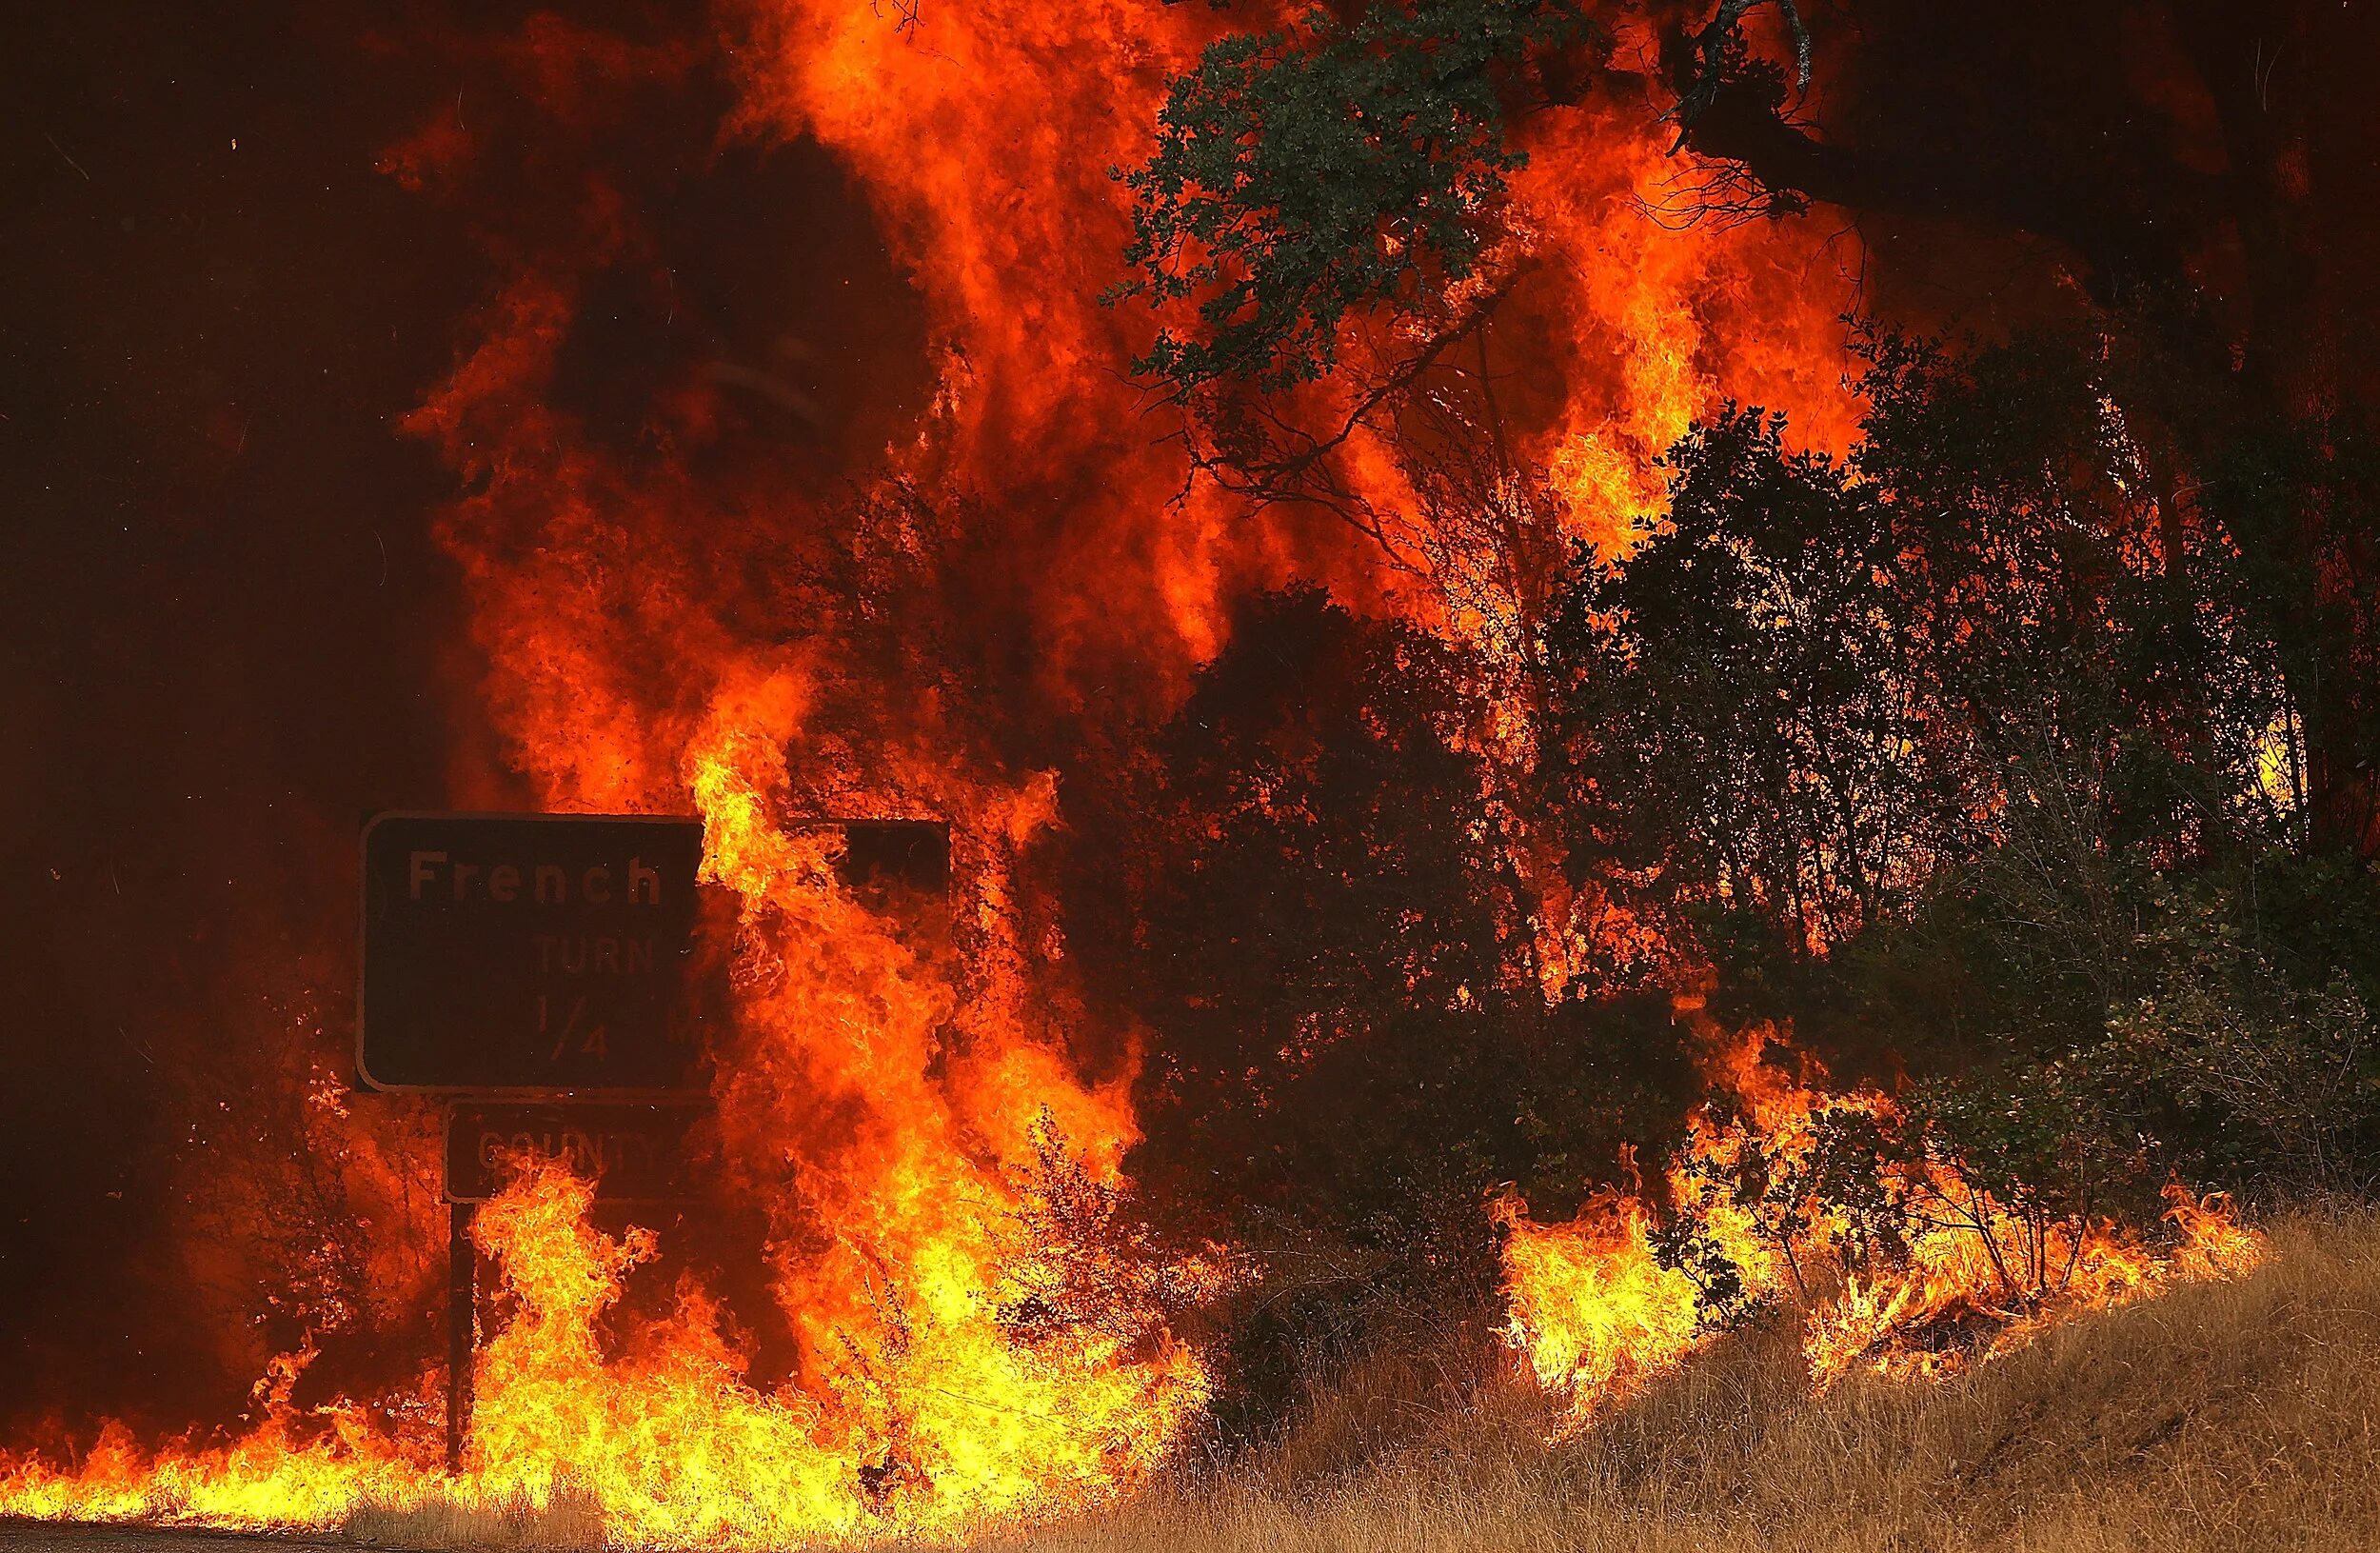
{"x": 221, "y": 611}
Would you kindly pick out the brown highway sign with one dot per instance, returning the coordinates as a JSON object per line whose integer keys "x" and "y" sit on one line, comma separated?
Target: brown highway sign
{"x": 632, "y": 1153}
{"x": 529, "y": 953}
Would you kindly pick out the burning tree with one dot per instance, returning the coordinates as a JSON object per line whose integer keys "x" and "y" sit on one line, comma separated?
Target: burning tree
{"x": 1904, "y": 747}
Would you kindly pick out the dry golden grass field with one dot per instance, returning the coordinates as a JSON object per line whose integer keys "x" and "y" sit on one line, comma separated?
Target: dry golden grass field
{"x": 2232, "y": 1416}
{"x": 2218, "y": 1417}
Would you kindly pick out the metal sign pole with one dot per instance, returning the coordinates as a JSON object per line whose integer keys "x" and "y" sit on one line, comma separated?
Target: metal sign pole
{"x": 462, "y": 1327}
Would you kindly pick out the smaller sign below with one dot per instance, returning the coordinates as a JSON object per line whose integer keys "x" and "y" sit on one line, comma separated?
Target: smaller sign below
{"x": 632, "y": 1153}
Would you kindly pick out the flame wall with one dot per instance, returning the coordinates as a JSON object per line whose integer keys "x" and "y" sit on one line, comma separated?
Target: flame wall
{"x": 717, "y": 545}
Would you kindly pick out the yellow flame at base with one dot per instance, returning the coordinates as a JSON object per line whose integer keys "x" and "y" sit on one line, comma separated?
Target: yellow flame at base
{"x": 1600, "y": 1314}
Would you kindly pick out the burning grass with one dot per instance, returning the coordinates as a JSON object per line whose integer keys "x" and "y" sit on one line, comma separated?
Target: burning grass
{"x": 1897, "y": 1254}
{"x": 657, "y": 1440}
{"x": 665, "y": 1444}
{"x": 566, "y": 1521}
{"x": 2217, "y": 1415}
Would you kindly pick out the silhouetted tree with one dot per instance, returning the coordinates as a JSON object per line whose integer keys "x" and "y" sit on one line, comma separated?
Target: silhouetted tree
{"x": 1300, "y": 891}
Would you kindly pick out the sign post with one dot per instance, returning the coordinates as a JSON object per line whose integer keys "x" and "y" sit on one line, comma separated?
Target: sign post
{"x": 536, "y": 954}
{"x": 539, "y": 971}
{"x": 461, "y": 1326}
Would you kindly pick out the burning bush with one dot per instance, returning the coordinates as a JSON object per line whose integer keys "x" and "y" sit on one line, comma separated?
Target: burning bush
{"x": 1892, "y": 1247}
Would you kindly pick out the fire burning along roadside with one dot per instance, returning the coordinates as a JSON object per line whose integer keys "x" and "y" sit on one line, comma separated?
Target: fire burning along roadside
{"x": 1935, "y": 1273}
{"x": 902, "y": 1280}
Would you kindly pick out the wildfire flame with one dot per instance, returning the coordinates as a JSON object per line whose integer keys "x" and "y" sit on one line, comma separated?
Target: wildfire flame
{"x": 917, "y": 1411}
{"x": 884, "y": 1105}
{"x": 1601, "y": 1308}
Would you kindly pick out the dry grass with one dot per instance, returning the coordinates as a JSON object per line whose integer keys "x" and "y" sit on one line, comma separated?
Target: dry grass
{"x": 569, "y": 1523}
{"x": 2223, "y": 1417}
